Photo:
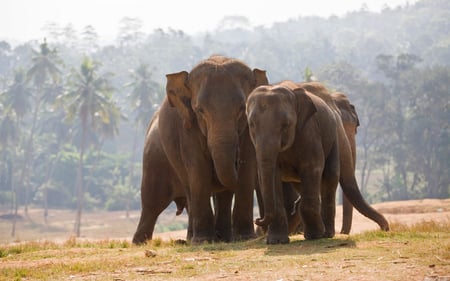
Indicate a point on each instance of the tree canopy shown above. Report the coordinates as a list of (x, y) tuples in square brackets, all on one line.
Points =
[(72, 107)]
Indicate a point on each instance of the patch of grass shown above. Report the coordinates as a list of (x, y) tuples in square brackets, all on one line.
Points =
[(422, 226), (416, 250), (19, 248), (419, 230)]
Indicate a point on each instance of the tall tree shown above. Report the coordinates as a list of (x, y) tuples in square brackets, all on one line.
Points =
[(428, 131), (16, 103), (90, 101), (397, 70), (144, 97), (44, 74), (130, 31)]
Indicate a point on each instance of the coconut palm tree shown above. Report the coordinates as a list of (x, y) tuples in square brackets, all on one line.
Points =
[(16, 102), (90, 103), (44, 75), (144, 97)]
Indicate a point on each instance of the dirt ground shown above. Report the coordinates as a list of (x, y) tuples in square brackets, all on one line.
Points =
[(408, 212), (115, 225)]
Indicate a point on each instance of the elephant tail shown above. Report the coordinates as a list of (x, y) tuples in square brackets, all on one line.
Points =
[(351, 190)]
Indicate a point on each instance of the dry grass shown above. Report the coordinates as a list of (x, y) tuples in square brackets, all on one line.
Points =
[(417, 247), (410, 252)]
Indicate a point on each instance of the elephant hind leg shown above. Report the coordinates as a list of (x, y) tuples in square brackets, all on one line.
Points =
[(347, 216), (330, 181), (328, 205), (146, 226)]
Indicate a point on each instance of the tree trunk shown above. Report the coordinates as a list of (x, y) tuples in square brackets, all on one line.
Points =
[(80, 184), (28, 156)]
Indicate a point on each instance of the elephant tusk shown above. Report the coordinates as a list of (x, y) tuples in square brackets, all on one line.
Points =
[(296, 202)]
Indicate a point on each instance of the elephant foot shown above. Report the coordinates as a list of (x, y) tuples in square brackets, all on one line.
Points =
[(345, 231), (277, 239), (244, 236), (329, 234), (141, 239), (223, 236), (312, 235), (197, 239)]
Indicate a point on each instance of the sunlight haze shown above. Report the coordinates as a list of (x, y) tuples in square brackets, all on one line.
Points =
[(23, 20)]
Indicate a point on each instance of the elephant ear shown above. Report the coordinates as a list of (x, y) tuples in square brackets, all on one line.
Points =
[(179, 96), (305, 106), (260, 77)]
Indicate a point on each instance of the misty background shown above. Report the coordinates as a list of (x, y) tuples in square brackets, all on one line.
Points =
[(60, 148)]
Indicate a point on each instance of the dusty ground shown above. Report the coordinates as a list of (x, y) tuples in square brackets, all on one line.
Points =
[(115, 225), (409, 212)]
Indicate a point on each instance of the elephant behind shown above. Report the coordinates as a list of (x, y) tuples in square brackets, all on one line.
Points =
[(198, 145), (346, 115)]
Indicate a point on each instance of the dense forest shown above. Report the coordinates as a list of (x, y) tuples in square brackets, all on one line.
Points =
[(74, 111)]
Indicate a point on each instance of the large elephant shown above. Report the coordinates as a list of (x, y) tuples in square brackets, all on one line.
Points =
[(296, 136), (198, 145)]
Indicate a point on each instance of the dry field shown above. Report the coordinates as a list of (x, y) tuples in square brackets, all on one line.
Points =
[(417, 248)]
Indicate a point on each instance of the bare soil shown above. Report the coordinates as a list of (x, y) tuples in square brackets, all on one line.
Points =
[(116, 225)]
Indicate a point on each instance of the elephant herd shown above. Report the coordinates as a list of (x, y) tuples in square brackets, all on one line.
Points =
[(223, 132)]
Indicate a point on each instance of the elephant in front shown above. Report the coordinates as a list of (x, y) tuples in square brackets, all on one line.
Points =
[(350, 121), (297, 136), (197, 145)]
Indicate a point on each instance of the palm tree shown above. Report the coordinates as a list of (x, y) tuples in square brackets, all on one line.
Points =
[(44, 74), (16, 103), (56, 133), (144, 97), (89, 100)]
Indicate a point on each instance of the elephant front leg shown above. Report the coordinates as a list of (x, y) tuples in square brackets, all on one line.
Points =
[(310, 207), (277, 232), (243, 227), (222, 212), (201, 216)]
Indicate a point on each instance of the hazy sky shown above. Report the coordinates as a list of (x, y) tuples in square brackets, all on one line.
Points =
[(24, 19)]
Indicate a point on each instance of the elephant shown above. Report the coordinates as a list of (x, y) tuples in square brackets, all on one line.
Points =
[(346, 112), (198, 145), (350, 121), (297, 136)]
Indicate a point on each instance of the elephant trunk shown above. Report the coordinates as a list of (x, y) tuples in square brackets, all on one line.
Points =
[(267, 176), (226, 158)]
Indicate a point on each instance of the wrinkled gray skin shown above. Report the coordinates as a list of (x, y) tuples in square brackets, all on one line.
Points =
[(197, 146), (296, 137)]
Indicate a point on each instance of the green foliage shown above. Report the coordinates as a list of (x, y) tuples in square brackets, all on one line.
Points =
[(393, 65)]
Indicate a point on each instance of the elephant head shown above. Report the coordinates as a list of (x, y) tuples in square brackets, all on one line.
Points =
[(275, 114), (212, 97)]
